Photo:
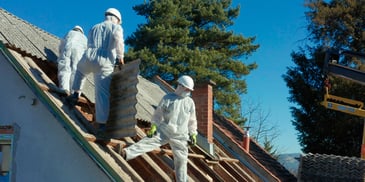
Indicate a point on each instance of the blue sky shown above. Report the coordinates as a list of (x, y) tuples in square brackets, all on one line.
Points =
[(279, 27)]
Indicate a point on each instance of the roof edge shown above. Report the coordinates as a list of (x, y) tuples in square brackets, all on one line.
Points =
[(258, 164), (83, 143)]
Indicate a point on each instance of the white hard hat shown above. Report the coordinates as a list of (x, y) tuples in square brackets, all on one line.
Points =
[(78, 28), (187, 82), (114, 12)]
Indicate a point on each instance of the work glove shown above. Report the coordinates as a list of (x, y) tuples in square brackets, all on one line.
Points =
[(192, 140), (152, 131)]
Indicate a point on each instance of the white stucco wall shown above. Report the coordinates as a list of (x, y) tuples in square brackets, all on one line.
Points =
[(43, 149)]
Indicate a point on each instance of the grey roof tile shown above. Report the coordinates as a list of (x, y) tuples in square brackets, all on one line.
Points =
[(324, 167), (19, 34)]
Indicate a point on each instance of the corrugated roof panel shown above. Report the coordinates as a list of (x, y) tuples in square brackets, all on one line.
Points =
[(149, 96), (28, 38), (123, 92)]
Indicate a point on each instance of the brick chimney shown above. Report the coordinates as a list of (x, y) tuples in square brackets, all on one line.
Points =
[(203, 98)]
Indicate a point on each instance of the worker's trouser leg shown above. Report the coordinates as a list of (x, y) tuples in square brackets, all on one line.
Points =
[(143, 146), (64, 72), (179, 149), (102, 70), (76, 56), (180, 152), (102, 93), (84, 67)]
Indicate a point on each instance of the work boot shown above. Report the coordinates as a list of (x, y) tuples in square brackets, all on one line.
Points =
[(72, 99), (100, 132)]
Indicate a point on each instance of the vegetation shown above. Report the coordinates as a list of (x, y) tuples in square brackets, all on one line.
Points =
[(260, 127), (193, 37), (336, 24)]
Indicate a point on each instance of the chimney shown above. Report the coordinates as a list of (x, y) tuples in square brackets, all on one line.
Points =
[(203, 98), (246, 139)]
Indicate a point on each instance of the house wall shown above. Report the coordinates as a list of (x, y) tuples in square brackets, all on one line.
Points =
[(43, 149)]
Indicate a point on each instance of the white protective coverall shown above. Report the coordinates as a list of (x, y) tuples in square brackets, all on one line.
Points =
[(175, 118), (72, 48), (105, 44)]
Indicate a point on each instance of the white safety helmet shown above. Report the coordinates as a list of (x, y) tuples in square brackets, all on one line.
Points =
[(78, 28), (114, 12), (187, 82)]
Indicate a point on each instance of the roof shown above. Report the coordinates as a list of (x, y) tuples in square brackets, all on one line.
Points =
[(33, 53), (260, 158), (33, 41), (323, 167)]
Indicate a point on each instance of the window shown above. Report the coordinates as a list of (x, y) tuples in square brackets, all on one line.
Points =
[(6, 143)]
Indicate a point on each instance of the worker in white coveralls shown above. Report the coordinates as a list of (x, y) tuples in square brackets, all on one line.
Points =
[(105, 49), (174, 122), (72, 48)]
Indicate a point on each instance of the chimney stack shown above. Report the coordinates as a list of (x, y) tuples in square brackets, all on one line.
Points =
[(246, 139), (203, 98)]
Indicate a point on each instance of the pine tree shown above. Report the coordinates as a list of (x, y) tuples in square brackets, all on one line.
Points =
[(337, 24), (193, 37)]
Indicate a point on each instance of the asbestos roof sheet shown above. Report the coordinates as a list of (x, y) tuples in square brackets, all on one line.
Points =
[(149, 96), (17, 33)]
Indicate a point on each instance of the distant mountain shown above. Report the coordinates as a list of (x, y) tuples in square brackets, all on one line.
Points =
[(290, 162)]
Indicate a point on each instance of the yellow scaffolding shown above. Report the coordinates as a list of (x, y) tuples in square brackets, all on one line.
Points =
[(345, 105), (348, 106)]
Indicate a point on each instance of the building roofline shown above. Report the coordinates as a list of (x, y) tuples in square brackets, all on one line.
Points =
[(60, 116)]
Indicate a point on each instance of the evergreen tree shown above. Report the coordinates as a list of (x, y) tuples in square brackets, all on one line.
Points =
[(337, 24), (192, 37), (267, 145)]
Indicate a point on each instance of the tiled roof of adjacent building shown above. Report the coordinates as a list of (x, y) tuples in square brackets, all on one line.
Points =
[(323, 167)]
